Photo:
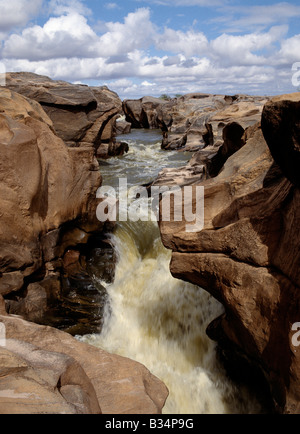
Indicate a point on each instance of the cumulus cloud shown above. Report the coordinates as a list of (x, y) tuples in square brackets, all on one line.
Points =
[(70, 35), (241, 49), (290, 50), (137, 32), (189, 43), (17, 13), (67, 35)]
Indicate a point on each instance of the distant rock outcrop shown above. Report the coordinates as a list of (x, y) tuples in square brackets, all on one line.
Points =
[(143, 113), (194, 121), (247, 255)]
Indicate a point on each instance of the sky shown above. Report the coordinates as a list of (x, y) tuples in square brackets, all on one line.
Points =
[(155, 47)]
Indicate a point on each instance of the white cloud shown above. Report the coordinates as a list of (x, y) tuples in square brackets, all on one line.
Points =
[(70, 35), (240, 50), (189, 43), (17, 12), (147, 84), (67, 35), (137, 32), (290, 50)]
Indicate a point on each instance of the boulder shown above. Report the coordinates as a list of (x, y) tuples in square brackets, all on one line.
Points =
[(44, 370), (35, 381)]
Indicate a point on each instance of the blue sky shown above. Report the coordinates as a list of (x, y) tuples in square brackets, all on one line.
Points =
[(151, 47)]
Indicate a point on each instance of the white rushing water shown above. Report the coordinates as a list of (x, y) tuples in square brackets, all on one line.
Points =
[(160, 321)]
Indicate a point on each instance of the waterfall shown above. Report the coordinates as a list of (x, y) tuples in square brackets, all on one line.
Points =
[(160, 321)]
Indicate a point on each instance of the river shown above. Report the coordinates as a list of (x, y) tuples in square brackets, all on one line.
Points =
[(153, 318)]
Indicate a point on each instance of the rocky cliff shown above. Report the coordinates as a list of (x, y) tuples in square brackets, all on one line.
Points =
[(247, 255), (48, 229)]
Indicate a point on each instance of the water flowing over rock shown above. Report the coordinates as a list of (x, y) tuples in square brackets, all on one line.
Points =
[(247, 255), (82, 116)]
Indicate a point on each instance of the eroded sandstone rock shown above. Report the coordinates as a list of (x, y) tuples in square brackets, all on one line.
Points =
[(44, 370), (194, 121), (247, 255), (82, 116), (48, 197)]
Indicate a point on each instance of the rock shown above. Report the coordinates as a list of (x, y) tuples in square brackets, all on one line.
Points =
[(48, 188), (34, 381), (143, 113), (281, 127), (33, 306), (108, 150), (194, 121), (82, 116), (122, 386), (122, 126), (247, 256)]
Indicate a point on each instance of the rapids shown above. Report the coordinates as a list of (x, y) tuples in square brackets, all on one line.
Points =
[(153, 318)]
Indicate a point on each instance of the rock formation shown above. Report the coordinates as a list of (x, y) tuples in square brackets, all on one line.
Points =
[(247, 255), (46, 371), (48, 199), (194, 121), (48, 231), (143, 113), (82, 116)]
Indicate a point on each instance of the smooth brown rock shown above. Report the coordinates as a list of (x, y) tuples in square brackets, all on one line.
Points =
[(43, 186), (34, 381), (122, 386)]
